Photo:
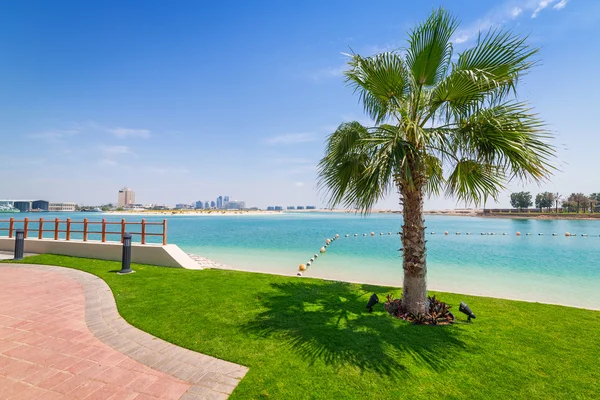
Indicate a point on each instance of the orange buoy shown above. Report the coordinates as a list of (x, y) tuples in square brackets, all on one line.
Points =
[(322, 250), (567, 234), (518, 233), (302, 267), (446, 233), (372, 233), (327, 241)]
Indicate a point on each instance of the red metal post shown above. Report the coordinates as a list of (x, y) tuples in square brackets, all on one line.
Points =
[(56, 225), (11, 227), (103, 230), (122, 229), (41, 229), (164, 232), (68, 229), (143, 231), (25, 226), (85, 229)]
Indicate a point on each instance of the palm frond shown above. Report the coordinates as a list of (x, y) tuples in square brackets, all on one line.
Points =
[(344, 161), (487, 72), (429, 51), (360, 164), (435, 175), (499, 53), (509, 135), (381, 82), (472, 181)]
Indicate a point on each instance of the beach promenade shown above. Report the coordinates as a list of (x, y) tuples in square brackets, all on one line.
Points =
[(61, 337)]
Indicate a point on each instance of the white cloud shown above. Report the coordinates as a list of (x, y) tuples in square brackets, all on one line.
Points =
[(560, 5), (541, 5), (298, 184), (291, 138), (126, 132), (506, 12), (516, 12), (462, 38)]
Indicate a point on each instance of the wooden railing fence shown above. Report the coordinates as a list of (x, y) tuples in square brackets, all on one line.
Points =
[(68, 229)]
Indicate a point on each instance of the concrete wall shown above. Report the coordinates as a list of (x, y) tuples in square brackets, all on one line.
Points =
[(168, 256)]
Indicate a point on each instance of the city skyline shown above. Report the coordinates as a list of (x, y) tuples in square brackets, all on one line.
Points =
[(94, 115)]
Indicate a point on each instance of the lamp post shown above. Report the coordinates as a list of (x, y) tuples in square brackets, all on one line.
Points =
[(126, 258), (19, 244)]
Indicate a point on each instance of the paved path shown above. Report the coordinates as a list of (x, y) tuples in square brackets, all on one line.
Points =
[(61, 337)]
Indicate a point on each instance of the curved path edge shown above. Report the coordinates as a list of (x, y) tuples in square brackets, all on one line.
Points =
[(211, 378)]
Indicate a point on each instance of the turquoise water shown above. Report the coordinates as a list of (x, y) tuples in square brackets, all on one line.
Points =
[(559, 269)]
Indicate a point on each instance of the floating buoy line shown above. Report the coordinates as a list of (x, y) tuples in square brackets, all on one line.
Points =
[(329, 241)]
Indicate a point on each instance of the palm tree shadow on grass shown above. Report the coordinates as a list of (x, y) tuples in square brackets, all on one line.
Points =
[(329, 323)]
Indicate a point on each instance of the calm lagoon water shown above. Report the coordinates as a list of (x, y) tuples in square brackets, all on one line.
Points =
[(563, 270)]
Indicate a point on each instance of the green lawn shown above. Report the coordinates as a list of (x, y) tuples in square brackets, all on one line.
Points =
[(310, 338)]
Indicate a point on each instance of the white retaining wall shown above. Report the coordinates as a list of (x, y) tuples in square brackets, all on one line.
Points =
[(169, 255)]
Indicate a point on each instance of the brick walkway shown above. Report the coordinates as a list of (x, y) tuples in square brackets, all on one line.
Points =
[(61, 337)]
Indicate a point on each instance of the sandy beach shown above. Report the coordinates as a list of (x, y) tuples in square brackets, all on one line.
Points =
[(194, 213)]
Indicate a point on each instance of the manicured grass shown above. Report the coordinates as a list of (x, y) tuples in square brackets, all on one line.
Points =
[(310, 338)]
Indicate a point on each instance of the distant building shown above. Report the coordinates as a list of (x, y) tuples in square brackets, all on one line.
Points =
[(22, 205), (135, 206), (311, 207), (225, 199), (220, 202), (206, 205), (182, 206), (40, 205), (236, 205), (212, 204), (126, 197), (199, 205), (271, 208), (62, 207), (300, 208), (291, 207), (278, 208)]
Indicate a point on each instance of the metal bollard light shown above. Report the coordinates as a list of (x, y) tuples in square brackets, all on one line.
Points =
[(126, 258), (19, 244)]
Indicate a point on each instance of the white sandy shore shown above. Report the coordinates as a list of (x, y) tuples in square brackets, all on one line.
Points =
[(453, 287), (467, 212), (192, 213)]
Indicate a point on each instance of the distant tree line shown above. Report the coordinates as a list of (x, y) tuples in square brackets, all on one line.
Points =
[(575, 202)]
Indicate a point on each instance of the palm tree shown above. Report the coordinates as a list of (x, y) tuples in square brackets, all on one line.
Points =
[(580, 199), (440, 126), (557, 197)]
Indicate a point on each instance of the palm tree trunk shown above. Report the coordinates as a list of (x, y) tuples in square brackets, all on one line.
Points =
[(414, 296)]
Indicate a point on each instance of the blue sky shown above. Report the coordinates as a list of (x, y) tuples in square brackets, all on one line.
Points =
[(185, 101)]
